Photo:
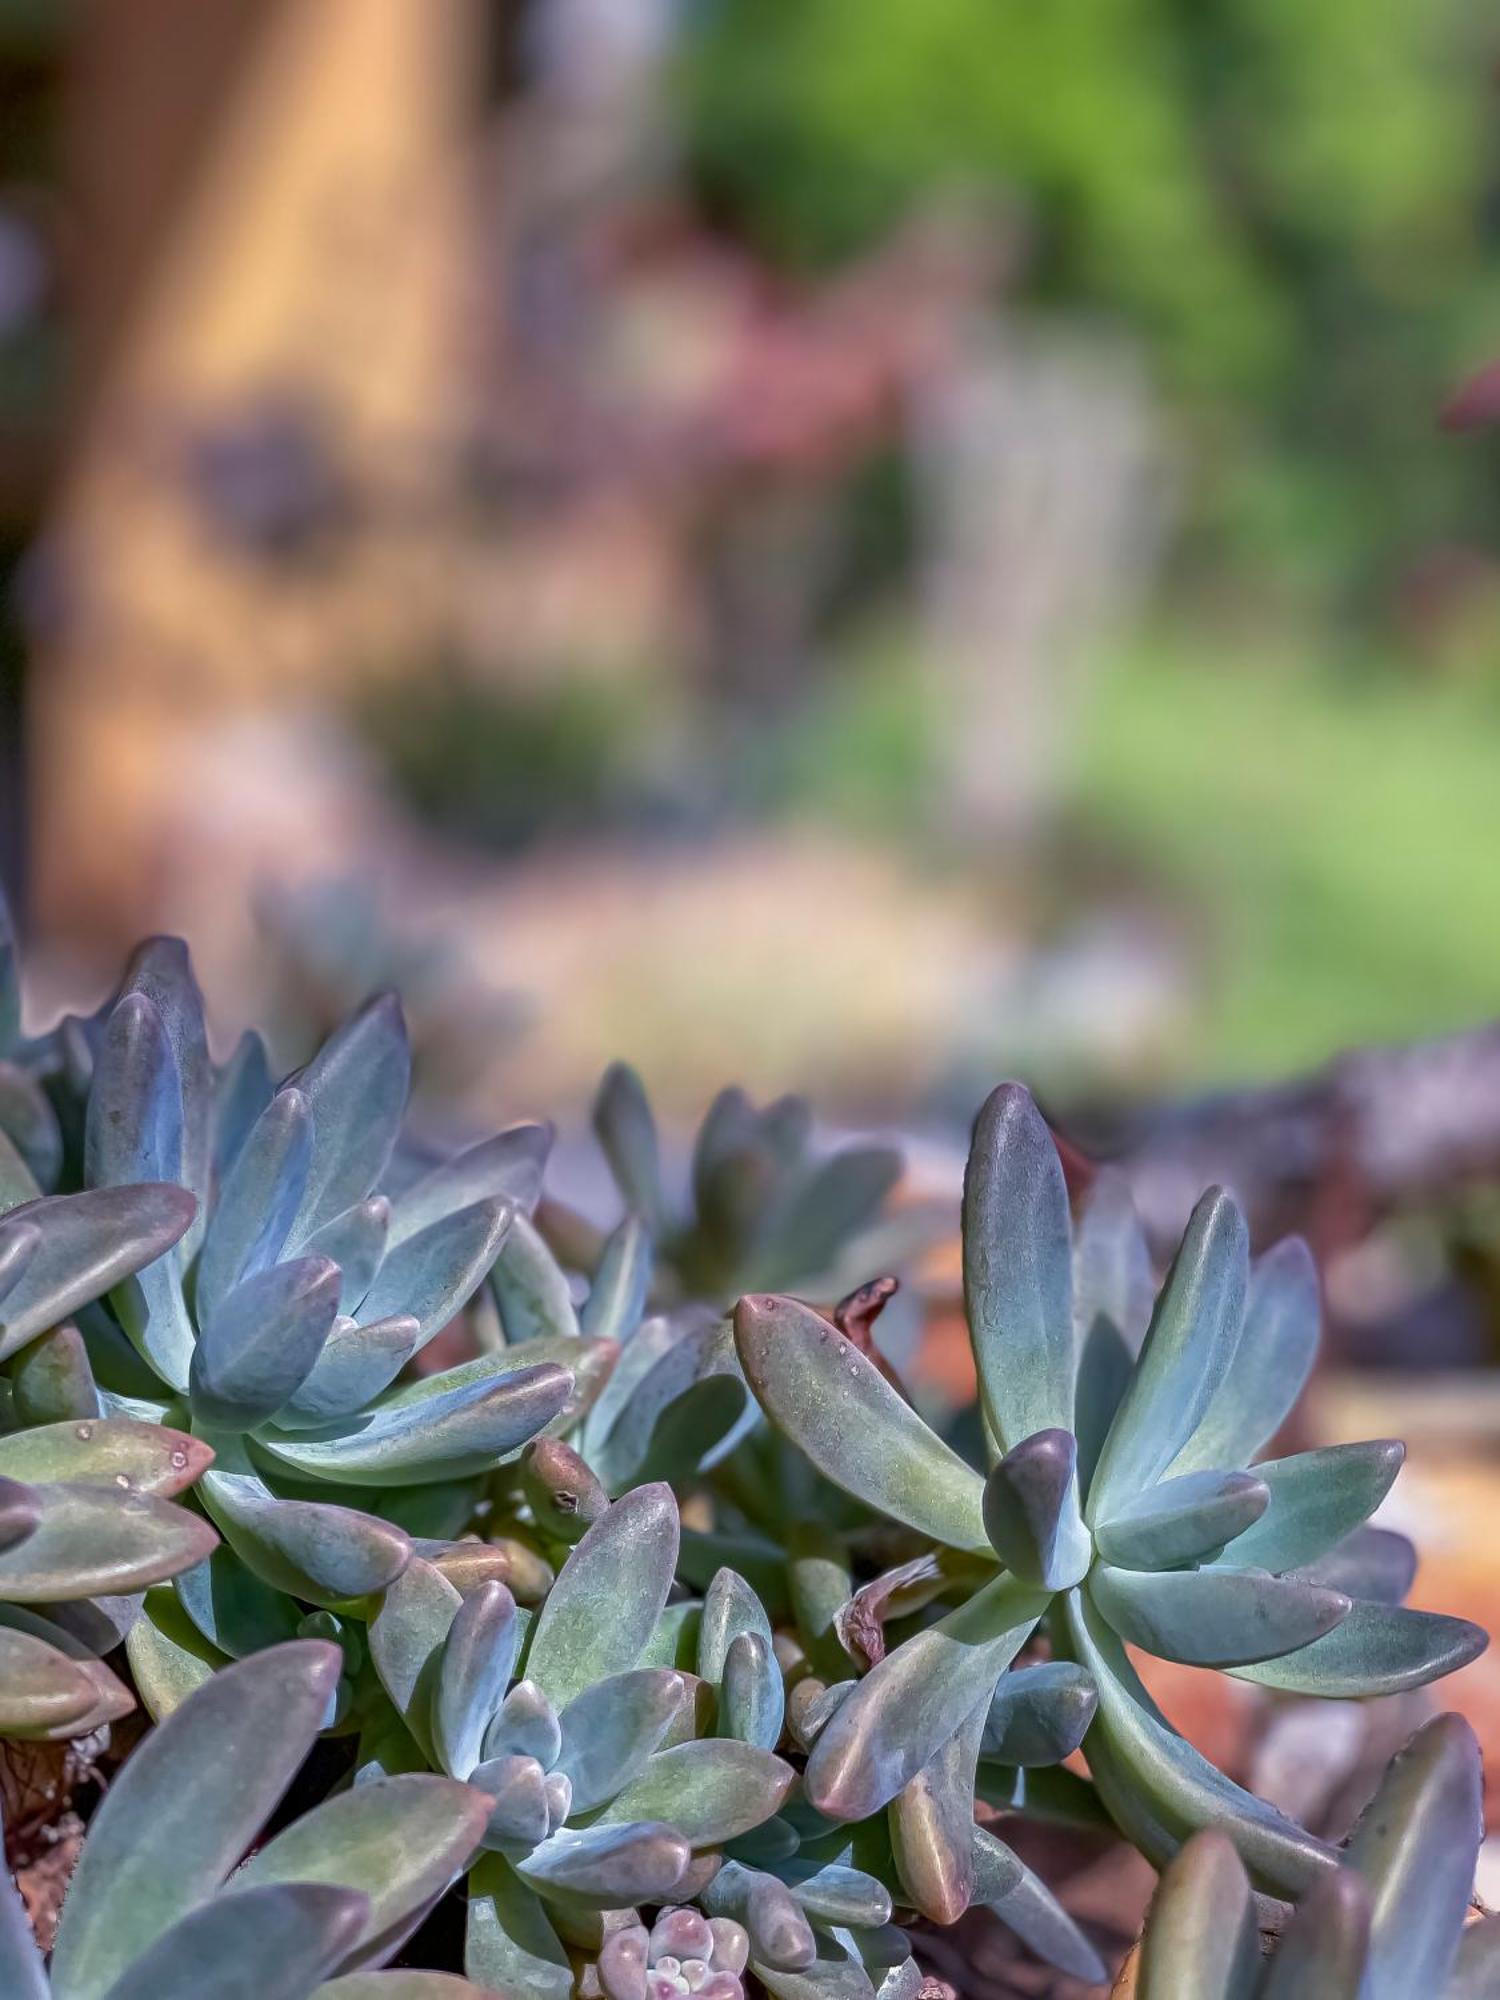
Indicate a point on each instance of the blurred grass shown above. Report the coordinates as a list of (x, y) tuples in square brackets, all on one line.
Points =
[(1333, 838)]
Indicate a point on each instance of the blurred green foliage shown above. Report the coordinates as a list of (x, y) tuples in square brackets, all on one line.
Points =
[(1293, 201)]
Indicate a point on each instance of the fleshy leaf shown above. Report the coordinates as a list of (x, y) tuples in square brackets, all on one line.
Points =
[(355, 1364), (617, 1297), (1188, 1348), (100, 1541), (306, 1547), (406, 1642), (1372, 1562), (89, 1243), (1018, 1285), (611, 1728), (1215, 1617), (1317, 1499), (932, 1826), (508, 1166), (356, 1242), (752, 1695), (532, 1288), (509, 1945), (1377, 1649), (261, 1343), (611, 1866), (106, 1451), (1039, 1714), (30, 1123), (710, 1791), (432, 1275), (1024, 1903), (263, 1944), (135, 1111), (820, 1211), (1182, 1520), (259, 1200), (441, 1427), (906, 1708), (478, 1657), (233, 1609), (184, 1808), (401, 1840), (626, 1131), (1201, 1937), (837, 1407), (779, 1932), (1271, 1362), (1325, 1946), (356, 1088), (45, 1693), (1031, 1511), (608, 1596)]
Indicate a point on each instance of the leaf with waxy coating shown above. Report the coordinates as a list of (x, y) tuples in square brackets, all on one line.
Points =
[(1271, 1362), (1202, 1936), (169, 1657), (406, 1641), (906, 1708), (1325, 1945), (1415, 1845), (836, 1406), (403, 1985), (1024, 1904), (752, 1695), (1377, 1649), (1018, 1286), (52, 1382), (100, 1541), (30, 1123), (608, 1596), (684, 1411), (932, 1826), (508, 1166), (1317, 1498), (356, 1242), (626, 1131), (134, 1129), (1159, 1790), (611, 1728), (161, 970), (1031, 1511), (1371, 1563), (242, 1090), (617, 1297), (532, 1288), (184, 1808), (233, 1608), (834, 1893), (1183, 1519), (263, 1944), (355, 1365), (400, 1839), (356, 1088), (258, 1201), (819, 1211), (431, 1276), (525, 1725), (1215, 1617), (89, 1243), (441, 1427), (307, 1547), (478, 1656), (730, 1607), (1188, 1349), (710, 1791), (1038, 1715), (20, 1512), (46, 1694), (516, 1787), (565, 1496), (509, 1944), (775, 1921), (610, 1866), (260, 1344)]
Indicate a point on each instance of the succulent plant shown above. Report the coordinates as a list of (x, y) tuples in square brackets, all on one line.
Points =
[(1122, 1507), (1391, 1922), (162, 1904), (295, 1293), (684, 1952), (765, 1207)]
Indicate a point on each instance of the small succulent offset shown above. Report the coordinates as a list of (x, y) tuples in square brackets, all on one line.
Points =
[(766, 1209), (277, 1324), (1394, 1920), (162, 1904), (1122, 1507)]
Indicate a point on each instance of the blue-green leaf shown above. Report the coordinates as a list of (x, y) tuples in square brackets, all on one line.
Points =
[(161, 970), (836, 1406), (406, 1641), (356, 1242), (1188, 1347), (233, 1608), (432, 1275), (1377, 1649), (309, 1548), (242, 1090), (30, 1123), (89, 1242), (532, 1288), (1201, 1937), (508, 1166), (627, 1135), (1215, 1617), (1372, 1562), (608, 1596), (261, 1342), (908, 1706), (1416, 1845), (134, 1128), (609, 1730), (752, 1697), (1271, 1362), (263, 1944), (93, 1541), (1018, 1285), (355, 1365), (710, 1790), (1183, 1519), (1031, 1511), (617, 1297), (1317, 1499), (258, 1201), (1038, 1715), (932, 1826), (1325, 1946), (479, 1654), (22, 1974), (184, 1808), (356, 1088), (609, 1866), (1028, 1907), (105, 1451), (820, 1210), (510, 1946)]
